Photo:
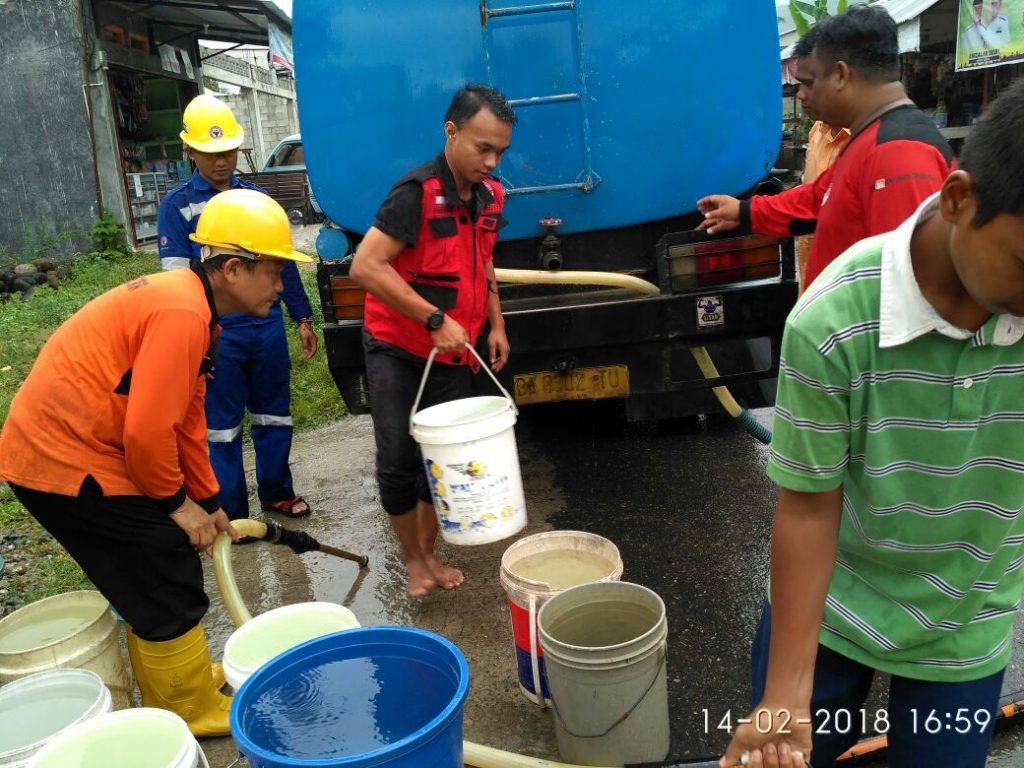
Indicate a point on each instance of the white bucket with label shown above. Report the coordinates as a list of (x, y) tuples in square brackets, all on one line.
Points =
[(604, 647), (73, 630), (272, 633), (472, 464), (36, 708), (130, 738)]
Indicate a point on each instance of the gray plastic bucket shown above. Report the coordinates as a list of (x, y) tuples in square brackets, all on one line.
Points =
[(604, 645)]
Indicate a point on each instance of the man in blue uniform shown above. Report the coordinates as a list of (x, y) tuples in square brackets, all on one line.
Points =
[(252, 368)]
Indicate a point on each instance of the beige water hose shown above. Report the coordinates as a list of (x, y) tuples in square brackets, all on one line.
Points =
[(224, 573), (487, 757), (616, 280), (544, 277)]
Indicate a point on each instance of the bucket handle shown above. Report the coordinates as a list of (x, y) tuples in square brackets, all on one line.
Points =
[(538, 686), (426, 372), (662, 653)]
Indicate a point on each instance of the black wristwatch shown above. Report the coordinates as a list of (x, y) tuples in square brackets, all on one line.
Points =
[(435, 321)]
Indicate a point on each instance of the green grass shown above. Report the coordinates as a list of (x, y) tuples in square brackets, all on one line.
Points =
[(25, 326)]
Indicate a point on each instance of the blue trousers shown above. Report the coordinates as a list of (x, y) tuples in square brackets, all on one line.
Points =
[(251, 372), (929, 724)]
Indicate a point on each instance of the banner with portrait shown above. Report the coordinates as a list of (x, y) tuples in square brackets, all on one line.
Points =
[(989, 33)]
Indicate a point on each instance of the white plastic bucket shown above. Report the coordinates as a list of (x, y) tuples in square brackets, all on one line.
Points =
[(535, 569), (72, 630), (261, 639), (131, 738), (36, 708), (472, 464), (605, 644)]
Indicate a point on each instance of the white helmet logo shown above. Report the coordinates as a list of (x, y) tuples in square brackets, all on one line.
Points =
[(216, 132)]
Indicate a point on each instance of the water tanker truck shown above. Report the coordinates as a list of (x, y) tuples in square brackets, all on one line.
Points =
[(628, 113)]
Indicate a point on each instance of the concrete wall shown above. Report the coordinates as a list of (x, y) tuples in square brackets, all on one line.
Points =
[(267, 119), (47, 180)]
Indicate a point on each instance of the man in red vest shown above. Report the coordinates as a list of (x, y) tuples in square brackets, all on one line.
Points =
[(426, 265)]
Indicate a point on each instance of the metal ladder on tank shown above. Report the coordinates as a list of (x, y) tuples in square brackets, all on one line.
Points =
[(587, 179)]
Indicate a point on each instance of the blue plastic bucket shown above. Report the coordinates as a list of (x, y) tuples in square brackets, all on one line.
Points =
[(374, 696)]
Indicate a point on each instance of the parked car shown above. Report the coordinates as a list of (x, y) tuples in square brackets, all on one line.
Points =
[(288, 157)]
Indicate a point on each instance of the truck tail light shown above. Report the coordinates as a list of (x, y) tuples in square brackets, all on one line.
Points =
[(347, 298), (716, 262)]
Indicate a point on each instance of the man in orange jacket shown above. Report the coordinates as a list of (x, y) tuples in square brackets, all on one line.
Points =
[(105, 444)]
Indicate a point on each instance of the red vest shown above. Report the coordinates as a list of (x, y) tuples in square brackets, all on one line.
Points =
[(446, 267)]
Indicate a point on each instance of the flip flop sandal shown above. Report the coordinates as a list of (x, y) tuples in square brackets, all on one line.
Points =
[(287, 507)]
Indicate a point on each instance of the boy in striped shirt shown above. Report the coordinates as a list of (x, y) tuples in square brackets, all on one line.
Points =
[(899, 452)]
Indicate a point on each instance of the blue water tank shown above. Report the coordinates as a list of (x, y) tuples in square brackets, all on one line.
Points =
[(628, 111)]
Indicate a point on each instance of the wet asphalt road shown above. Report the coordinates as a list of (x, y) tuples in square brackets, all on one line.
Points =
[(689, 507)]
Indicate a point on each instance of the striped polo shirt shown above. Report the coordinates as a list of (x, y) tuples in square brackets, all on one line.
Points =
[(922, 423)]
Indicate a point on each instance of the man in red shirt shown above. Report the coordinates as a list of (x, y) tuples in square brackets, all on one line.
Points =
[(848, 68)]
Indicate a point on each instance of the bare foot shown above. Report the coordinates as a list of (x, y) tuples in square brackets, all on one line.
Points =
[(421, 578), (444, 576)]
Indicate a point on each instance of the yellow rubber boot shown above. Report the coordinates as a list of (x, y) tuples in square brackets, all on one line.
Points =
[(217, 671), (177, 675)]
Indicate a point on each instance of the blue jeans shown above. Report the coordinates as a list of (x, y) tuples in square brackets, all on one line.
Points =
[(251, 373), (924, 718)]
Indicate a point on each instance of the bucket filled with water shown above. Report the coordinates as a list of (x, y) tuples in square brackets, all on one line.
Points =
[(605, 647), (373, 696), (36, 708), (76, 629), (472, 464), (130, 738), (535, 569), (260, 639)]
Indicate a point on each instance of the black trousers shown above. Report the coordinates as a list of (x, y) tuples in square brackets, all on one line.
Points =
[(392, 378), (132, 551)]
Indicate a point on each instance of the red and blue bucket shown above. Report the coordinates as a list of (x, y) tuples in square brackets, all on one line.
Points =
[(535, 569)]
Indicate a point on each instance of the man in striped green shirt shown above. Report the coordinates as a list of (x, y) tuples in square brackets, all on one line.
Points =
[(899, 452)]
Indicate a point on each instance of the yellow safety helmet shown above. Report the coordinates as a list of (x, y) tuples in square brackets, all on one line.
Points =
[(209, 125), (248, 221)]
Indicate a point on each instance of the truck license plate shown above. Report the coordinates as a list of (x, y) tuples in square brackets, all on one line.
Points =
[(580, 384)]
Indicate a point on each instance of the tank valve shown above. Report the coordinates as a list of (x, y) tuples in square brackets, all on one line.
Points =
[(551, 245)]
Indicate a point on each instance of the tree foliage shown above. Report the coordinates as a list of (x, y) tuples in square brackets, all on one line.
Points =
[(806, 13)]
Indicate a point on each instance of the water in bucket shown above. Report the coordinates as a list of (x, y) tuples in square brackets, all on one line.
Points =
[(533, 570), (332, 710), (561, 569), (47, 630), (472, 464), (34, 709), (259, 640), (72, 630), (130, 738), (373, 696)]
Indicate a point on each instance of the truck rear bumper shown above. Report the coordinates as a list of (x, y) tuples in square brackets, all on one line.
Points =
[(598, 332)]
